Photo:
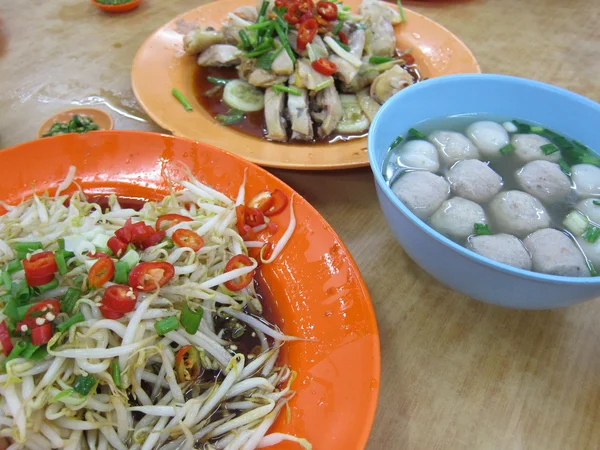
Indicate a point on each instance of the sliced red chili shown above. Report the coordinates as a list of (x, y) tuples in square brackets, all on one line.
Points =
[(140, 232), (147, 276), (324, 66), (110, 313), (40, 311), (272, 227), (408, 59), (117, 246), (187, 364), (240, 212), (281, 3), (119, 298), (239, 283), (248, 233), (327, 10), (280, 201), (254, 217), (166, 221), (5, 339), (263, 201), (306, 33), (40, 268), (41, 335), (293, 14), (307, 15), (266, 251), (98, 255), (152, 239), (343, 37), (188, 238), (101, 272), (124, 233)]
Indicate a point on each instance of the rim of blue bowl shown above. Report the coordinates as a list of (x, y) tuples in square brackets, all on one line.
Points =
[(377, 172)]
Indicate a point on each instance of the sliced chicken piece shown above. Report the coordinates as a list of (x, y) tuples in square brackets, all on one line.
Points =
[(282, 64), (380, 38), (390, 82), (265, 78), (249, 13), (345, 71), (220, 55), (307, 77), (274, 115), (327, 110), (231, 28), (363, 78), (302, 127), (356, 42), (200, 39), (318, 43), (371, 10)]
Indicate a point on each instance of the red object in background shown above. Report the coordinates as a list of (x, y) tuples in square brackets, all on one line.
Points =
[(123, 8)]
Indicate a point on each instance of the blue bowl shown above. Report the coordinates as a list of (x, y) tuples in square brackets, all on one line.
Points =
[(451, 264)]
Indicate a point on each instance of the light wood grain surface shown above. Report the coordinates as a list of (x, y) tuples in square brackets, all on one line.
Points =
[(456, 374)]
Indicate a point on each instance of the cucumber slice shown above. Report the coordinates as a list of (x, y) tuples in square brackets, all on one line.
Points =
[(243, 96)]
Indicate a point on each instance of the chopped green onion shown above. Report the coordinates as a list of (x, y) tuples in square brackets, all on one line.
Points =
[(338, 27), (48, 286), (596, 202), (507, 149), (11, 308), (84, 384), (6, 280), (537, 130), (67, 303), (245, 40), (341, 44), (166, 325), (216, 80), (116, 373), (482, 229), (415, 134), (21, 291), (521, 127), (62, 394), (259, 26), (564, 167), (266, 46), (287, 89), (121, 272), (39, 354), (576, 223), (170, 243), (179, 96), (14, 266), (380, 60), (77, 318), (24, 248), (61, 263), (591, 234), (263, 10), (232, 118), (396, 142), (190, 320), (279, 12), (61, 243), (30, 350), (591, 268), (401, 9), (15, 353), (22, 312), (284, 39), (266, 61), (548, 149)]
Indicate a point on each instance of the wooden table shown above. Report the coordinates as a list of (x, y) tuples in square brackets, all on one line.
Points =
[(457, 374)]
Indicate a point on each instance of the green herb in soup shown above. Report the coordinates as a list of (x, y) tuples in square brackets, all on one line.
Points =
[(78, 124), (538, 190)]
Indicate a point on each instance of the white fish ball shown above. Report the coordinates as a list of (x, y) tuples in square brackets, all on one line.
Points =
[(503, 248), (488, 136), (518, 213), (554, 253), (527, 148), (545, 181), (453, 146), (422, 192), (586, 179), (474, 180), (419, 154), (456, 218)]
